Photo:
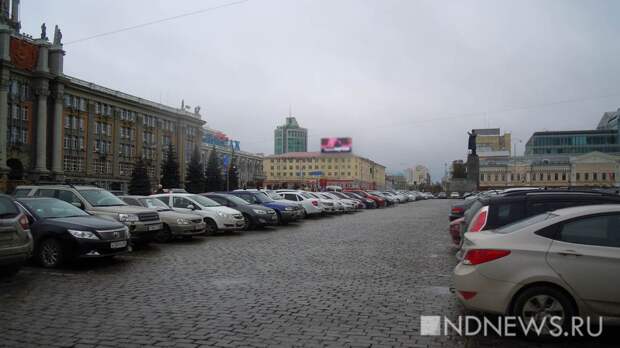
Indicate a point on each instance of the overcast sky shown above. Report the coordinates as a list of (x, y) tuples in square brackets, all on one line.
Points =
[(404, 79)]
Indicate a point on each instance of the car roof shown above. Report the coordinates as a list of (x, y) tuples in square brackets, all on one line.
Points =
[(59, 186), (588, 209), (133, 196)]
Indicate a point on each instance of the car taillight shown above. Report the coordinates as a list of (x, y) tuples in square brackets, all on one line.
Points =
[(23, 221), (478, 256), (315, 203), (467, 294), (480, 220), (457, 210)]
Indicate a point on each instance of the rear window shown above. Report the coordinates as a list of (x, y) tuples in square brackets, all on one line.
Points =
[(517, 225), (509, 212), (7, 208)]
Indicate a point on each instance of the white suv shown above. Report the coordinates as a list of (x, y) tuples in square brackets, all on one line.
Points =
[(217, 217)]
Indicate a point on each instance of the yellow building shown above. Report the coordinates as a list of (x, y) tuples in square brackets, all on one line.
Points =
[(316, 169), (593, 169), (491, 143)]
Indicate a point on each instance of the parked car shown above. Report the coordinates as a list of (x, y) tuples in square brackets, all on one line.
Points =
[(311, 205), (368, 203), (286, 211), (143, 223), (63, 232), (491, 211), (442, 195), (357, 202), (563, 263), (15, 237), (175, 224), (348, 204), (254, 215), (217, 218), (379, 200), (455, 195), (389, 201)]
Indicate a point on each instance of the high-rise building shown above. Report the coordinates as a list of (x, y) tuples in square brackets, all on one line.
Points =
[(290, 137), (491, 143)]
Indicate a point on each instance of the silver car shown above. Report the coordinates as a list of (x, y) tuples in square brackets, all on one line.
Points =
[(175, 224), (563, 264)]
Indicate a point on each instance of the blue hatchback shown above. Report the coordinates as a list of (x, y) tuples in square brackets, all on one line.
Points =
[(287, 211)]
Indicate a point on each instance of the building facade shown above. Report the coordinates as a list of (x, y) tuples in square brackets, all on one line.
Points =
[(490, 142), (249, 165), (290, 137), (57, 128), (318, 170), (595, 169)]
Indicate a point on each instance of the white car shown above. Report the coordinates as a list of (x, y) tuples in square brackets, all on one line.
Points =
[(217, 217), (328, 204), (348, 204), (562, 264), (311, 205), (455, 195), (339, 206)]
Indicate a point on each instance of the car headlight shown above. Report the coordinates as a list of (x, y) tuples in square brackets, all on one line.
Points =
[(182, 221), (222, 214), (289, 208), (128, 217), (83, 234), (258, 211)]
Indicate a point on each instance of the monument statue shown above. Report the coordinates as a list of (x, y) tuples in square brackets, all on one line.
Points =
[(472, 141), (57, 36), (197, 110), (43, 32)]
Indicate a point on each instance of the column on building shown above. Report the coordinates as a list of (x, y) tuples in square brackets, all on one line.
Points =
[(42, 92), (57, 138), (116, 142), (5, 40)]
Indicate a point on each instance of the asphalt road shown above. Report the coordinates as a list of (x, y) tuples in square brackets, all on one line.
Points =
[(356, 280)]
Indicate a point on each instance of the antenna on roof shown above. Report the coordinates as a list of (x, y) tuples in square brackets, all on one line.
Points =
[(290, 110)]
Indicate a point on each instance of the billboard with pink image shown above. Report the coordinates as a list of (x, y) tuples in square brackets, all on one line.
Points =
[(336, 145)]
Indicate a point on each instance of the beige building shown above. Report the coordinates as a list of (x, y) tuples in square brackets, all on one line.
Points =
[(316, 169), (491, 143), (593, 169)]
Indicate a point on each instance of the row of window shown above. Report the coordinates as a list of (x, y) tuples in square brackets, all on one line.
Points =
[(74, 122), (19, 90), (17, 135), (311, 160), (102, 128), (74, 142), (103, 147), (547, 177), (306, 174), (73, 163), (127, 133), (310, 167), (19, 112), (575, 140)]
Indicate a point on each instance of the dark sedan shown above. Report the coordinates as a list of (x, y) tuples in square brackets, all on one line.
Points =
[(62, 232), (254, 215)]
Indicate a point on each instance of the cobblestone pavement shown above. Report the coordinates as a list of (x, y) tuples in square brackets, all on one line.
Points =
[(354, 280)]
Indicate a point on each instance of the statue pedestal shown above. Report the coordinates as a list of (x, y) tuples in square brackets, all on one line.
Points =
[(473, 171)]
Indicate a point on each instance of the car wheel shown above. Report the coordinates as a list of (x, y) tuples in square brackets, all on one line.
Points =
[(211, 227), (247, 222), (164, 235), (10, 270), (51, 253), (541, 303)]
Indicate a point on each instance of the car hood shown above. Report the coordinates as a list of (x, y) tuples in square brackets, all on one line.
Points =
[(223, 209), (126, 209), (85, 222)]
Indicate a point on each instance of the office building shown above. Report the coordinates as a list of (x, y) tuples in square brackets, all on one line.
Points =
[(316, 170), (290, 137), (491, 143)]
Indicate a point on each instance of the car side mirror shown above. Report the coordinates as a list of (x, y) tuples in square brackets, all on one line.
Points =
[(78, 205)]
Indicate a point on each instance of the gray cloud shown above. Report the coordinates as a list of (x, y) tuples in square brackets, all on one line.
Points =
[(405, 79)]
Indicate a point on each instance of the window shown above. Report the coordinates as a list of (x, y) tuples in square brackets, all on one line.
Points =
[(578, 176), (596, 230), (594, 176), (45, 193), (69, 197), (180, 202)]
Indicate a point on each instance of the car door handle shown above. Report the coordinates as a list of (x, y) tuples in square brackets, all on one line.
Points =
[(569, 253)]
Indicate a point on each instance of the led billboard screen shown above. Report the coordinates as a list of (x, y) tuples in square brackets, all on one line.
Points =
[(336, 145)]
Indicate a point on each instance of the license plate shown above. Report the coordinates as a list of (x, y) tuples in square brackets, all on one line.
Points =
[(120, 244), (153, 227)]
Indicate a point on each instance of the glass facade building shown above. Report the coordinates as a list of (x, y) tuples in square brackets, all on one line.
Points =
[(290, 137), (573, 142)]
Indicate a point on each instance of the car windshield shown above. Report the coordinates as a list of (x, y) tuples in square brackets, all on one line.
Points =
[(154, 203), (204, 201), (517, 225), (262, 197), (237, 200), (273, 195), (101, 198), (51, 208), (305, 195)]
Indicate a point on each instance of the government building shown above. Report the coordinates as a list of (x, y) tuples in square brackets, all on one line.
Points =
[(316, 170), (59, 128)]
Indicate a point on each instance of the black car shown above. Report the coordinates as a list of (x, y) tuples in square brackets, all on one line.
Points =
[(254, 215), (62, 232), (491, 212)]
